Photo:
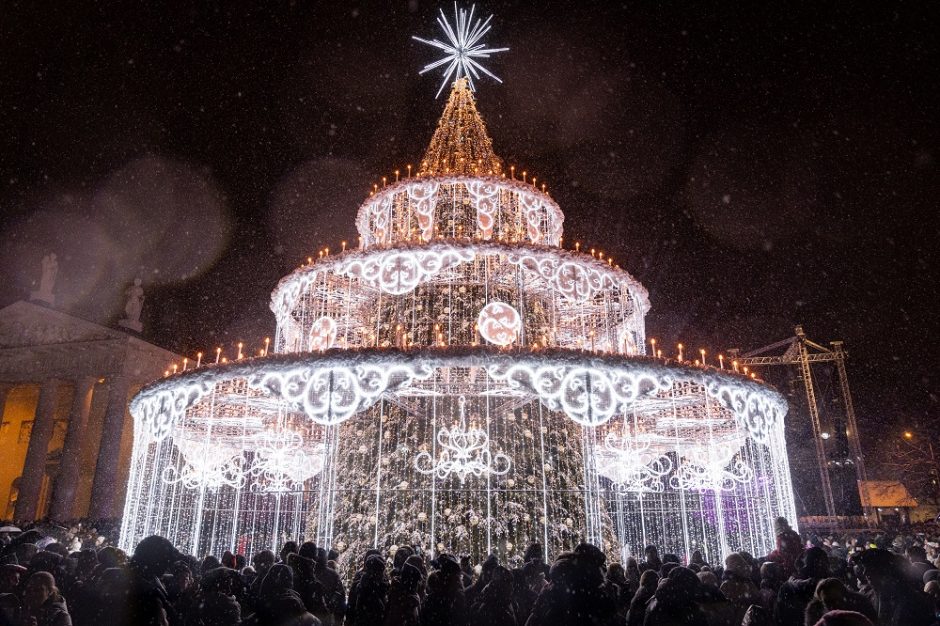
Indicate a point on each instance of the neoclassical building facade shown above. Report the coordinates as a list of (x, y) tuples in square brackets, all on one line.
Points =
[(65, 432)]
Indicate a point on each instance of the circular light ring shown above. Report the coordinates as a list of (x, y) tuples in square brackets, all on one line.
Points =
[(378, 214), (398, 270), (332, 386)]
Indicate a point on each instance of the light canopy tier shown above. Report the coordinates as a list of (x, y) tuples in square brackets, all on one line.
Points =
[(459, 207), (458, 293), (472, 449)]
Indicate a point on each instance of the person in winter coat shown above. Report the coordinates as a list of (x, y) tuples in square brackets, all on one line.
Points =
[(486, 574), (674, 602), (354, 586), (262, 563), (218, 607), (577, 593), (278, 603), (372, 593), (633, 573), (796, 593), (445, 604), (789, 547), (42, 603), (832, 595), (716, 607), (529, 584), (404, 604), (649, 581), (617, 579), (771, 577), (494, 605), (738, 587), (653, 561), (147, 601), (896, 601)]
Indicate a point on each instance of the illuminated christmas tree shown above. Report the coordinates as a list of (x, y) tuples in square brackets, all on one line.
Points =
[(460, 382)]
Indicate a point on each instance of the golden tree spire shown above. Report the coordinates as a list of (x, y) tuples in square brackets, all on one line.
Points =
[(460, 144)]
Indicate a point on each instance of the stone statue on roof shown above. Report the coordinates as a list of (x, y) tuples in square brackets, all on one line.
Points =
[(50, 269)]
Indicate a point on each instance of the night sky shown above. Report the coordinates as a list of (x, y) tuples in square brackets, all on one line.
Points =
[(755, 167)]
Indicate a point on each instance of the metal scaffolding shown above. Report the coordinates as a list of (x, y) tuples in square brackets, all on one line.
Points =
[(801, 352)]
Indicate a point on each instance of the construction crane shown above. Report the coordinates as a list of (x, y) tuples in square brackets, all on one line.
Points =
[(801, 352)]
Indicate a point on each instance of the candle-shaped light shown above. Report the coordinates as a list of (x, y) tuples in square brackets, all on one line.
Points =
[(198, 359), (734, 365), (721, 361), (396, 176), (185, 363), (702, 352), (218, 353), (267, 344), (343, 243), (409, 170), (680, 353), (240, 355), (653, 345), (175, 367)]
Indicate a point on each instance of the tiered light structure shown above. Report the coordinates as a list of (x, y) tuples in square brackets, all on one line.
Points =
[(459, 382)]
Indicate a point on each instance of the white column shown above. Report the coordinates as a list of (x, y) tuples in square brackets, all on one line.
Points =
[(34, 468)]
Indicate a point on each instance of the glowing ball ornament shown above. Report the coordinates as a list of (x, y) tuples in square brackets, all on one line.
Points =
[(322, 334), (499, 323)]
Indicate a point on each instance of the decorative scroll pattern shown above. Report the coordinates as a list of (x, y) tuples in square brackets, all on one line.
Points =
[(207, 465), (464, 452), (379, 214), (588, 395), (400, 272), (589, 392), (499, 323), (530, 206), (631, 466), (322, 334), (711, 468), (423, 197), (282, 462), (756, 410), (485, 197), (577, 281), (331, 395), (160, 411)]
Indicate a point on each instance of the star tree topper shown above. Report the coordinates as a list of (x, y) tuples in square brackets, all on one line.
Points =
[(463, 49)]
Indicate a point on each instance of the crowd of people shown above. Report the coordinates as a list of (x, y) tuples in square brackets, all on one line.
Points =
[(874, 579)]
